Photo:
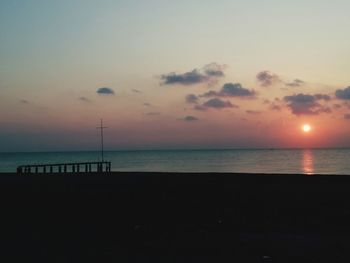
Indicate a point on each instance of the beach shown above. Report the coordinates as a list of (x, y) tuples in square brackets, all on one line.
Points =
[(175, 217)]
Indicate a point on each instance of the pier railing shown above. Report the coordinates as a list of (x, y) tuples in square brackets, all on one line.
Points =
[(89, 167)]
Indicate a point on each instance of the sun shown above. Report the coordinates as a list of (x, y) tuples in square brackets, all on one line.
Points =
[(306, 128)]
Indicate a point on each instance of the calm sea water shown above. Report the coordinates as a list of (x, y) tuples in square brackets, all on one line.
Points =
[(319, 161)]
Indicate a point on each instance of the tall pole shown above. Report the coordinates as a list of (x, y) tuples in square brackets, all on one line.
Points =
[(102, 139), (101, 128)]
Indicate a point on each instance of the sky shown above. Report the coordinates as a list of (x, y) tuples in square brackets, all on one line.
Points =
[(174, 74)]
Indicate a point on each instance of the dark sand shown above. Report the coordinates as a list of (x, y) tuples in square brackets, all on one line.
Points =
[(157, 217)]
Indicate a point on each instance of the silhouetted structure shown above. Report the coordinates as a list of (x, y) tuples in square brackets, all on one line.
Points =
[(89, 167), (101, 128), (63, 168)]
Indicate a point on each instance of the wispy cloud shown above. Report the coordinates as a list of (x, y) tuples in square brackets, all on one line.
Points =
[(190, 118), (295, 83), (267, 78), (24, 101), (230, 90), (152, 113), (84, 99), (275, 107), (253, 112), (337, 106), (192, 99), (216, 104), (206, 74)]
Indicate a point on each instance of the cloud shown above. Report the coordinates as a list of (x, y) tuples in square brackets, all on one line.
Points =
[(192, 99), (214, 70), (230, 90), (206, 74), (305, 104), (84, 99), (187, 78), (325, 110), (343, 94), (267, 78), (322, 97), (275, 107), (216, 104), (295, 83), (190, 118), (152, 113), (200, 107), (253, 112), (105, 91), (337, 106)]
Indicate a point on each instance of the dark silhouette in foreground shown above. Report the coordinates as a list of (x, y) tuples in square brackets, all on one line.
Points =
[(158, 217), (66, 168)]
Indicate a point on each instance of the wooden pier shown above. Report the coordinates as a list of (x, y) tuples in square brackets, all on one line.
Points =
[(88, 167)]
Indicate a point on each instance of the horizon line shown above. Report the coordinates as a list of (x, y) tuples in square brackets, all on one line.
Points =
[(184, 149)]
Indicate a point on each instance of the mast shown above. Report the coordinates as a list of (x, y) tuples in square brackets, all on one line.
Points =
[(101, 128)]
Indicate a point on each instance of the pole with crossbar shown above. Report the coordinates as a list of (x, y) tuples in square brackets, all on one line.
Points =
[(101, 128)]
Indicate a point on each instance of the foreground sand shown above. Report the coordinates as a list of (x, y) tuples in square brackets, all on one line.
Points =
[(168, 217)]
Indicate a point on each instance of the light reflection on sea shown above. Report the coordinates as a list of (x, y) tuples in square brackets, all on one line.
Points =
[(308, 162)]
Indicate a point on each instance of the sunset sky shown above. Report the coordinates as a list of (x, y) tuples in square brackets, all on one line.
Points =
[(174, 74)]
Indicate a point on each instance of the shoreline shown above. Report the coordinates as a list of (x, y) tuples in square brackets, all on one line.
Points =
[(175, 176), (173, 173)]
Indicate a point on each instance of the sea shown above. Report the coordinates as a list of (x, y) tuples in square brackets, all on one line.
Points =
[(288, 161)]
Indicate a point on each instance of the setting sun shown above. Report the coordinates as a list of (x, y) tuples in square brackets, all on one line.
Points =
[(306, 128)]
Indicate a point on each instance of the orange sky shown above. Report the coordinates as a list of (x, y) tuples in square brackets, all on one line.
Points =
[(174, 74), (270, 115)]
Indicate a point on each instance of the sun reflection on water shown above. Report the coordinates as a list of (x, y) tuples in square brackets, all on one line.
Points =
[(308, 162)]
